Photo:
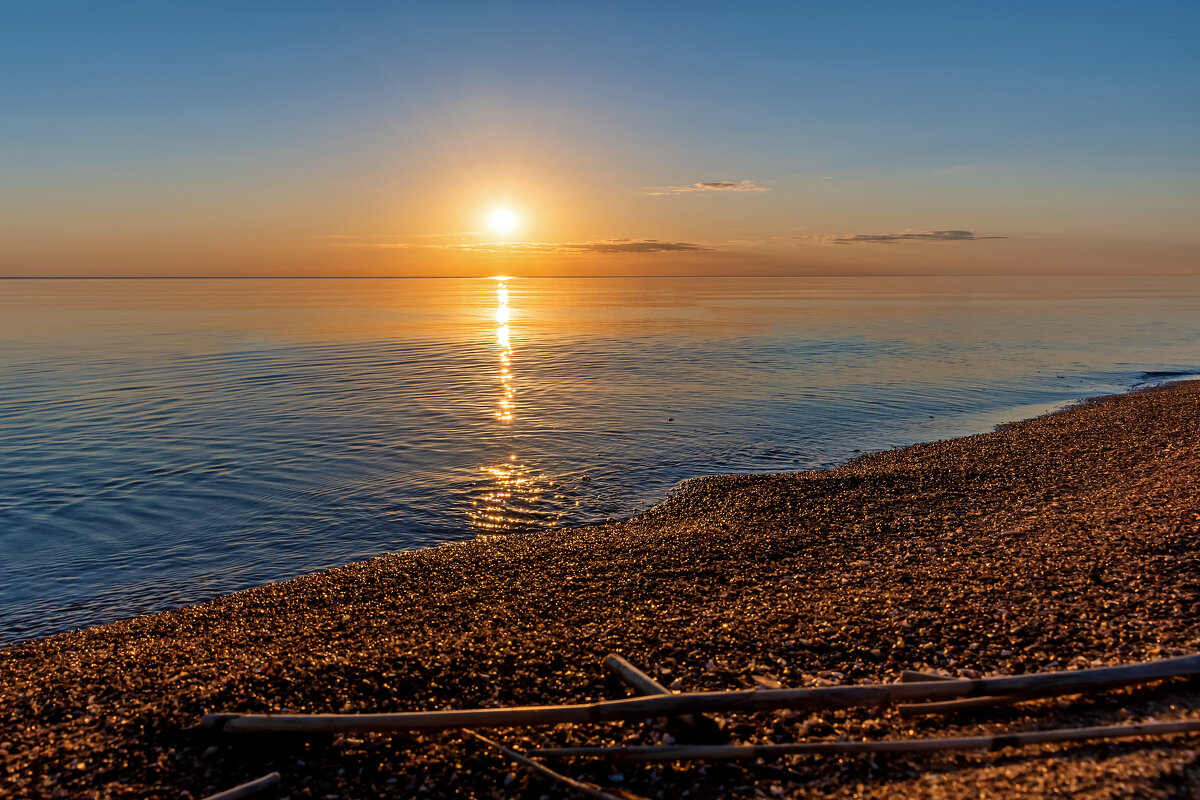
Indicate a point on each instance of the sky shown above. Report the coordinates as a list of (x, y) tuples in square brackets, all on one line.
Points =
[(621, 138)]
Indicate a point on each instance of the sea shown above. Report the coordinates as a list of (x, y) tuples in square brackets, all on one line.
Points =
[(164, 442)]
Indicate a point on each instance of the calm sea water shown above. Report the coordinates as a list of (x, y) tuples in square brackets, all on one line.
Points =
[(163, 442)]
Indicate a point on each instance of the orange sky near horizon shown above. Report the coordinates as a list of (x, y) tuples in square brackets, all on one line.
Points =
[(427, 213), (611, 227)]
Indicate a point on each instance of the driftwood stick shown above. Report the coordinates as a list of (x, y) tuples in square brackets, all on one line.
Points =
[(912, 676), (715, 752), (825, 697), (964, 704), (640, 682), (948, 706), (586, 789), (632, 676), (968, 703), (247, 789)]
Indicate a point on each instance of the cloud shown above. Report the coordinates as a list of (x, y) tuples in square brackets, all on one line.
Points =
[(601, 247), (604, 247), (890, 238), (708, 186)]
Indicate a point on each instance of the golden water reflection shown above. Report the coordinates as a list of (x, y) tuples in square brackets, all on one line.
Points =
[(512, 501), (513, 493), (508, 398)]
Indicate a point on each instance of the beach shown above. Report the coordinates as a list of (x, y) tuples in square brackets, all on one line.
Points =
[(1065, 541)]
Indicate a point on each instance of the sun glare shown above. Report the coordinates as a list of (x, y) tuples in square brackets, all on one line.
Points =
[(503, 221)]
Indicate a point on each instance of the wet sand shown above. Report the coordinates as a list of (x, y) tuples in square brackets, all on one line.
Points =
[(1063, 541)]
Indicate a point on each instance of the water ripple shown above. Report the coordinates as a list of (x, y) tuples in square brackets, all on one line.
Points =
[(187, 446)]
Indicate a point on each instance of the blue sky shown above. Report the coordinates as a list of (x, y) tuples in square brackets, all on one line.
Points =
[(246, 132)]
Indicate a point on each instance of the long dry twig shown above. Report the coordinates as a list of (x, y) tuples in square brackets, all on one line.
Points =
[(716, 752), (247, 789), (912, 676), (827, 697), (584, 788), (965, 704), (968, 703), (703, 727)]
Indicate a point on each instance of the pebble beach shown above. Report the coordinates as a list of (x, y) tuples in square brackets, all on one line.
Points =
[(1064, 541)]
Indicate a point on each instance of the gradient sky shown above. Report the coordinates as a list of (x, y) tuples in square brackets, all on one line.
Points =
[(375, 138)]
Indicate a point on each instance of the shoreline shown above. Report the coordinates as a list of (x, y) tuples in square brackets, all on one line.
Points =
[(951, 426), (1063, 540)]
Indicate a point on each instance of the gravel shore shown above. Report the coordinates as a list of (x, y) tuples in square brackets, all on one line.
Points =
[(1063, 541)]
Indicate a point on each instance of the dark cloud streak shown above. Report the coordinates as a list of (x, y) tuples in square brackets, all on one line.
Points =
[(602, 247), (890, 238), (606, 247), (708, 186)]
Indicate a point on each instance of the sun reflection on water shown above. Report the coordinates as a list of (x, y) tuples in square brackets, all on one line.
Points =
[(513, 500), (512, 496), (507, 404)]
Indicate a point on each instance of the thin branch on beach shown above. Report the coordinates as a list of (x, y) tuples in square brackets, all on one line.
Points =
[(912, 676), (826, 697), (966, 704), (969, 703), (719, 752), (587, 789), (704, 727), (248, 789)]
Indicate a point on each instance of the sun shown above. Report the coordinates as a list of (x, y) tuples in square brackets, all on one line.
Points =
[(503, 221)]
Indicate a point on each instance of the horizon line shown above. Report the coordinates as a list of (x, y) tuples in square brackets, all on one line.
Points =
[(591, 277)]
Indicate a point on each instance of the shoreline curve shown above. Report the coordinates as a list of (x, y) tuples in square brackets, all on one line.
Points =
[(1070, 539)]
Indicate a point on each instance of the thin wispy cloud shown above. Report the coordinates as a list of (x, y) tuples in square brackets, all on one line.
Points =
[(891, 238), (604, 247), (599, 247), (708, 186)]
